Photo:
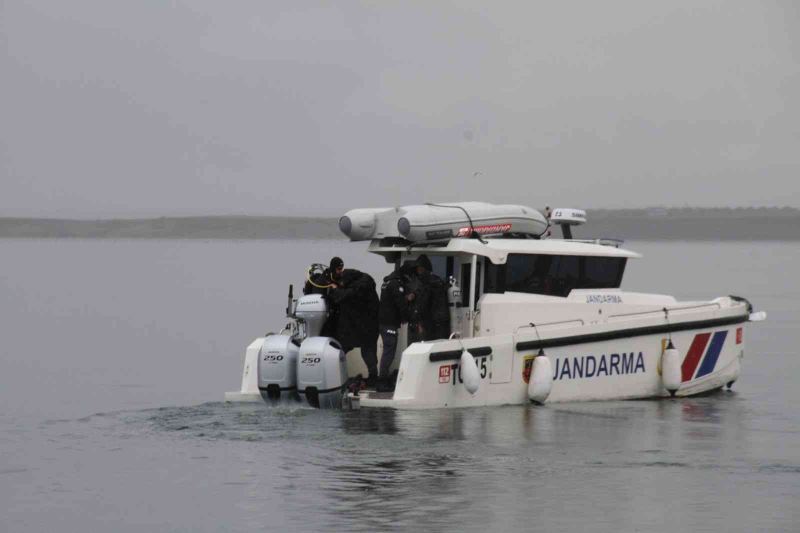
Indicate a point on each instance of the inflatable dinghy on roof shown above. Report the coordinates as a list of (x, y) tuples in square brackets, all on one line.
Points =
[(430, 222)]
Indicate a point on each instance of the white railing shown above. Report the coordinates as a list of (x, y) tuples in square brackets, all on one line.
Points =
[(573, 321), (689, 309)]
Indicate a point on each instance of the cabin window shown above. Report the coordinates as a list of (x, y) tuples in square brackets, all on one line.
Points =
[(554, 275), (466, 268), (603, 272), (439, 264), (530, 273), (565, 273), (494, 278), (449, 267)]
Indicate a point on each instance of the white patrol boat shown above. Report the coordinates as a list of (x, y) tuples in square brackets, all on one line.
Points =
[(533, 319)]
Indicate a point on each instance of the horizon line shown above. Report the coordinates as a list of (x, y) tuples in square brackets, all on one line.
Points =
[(310, 216)]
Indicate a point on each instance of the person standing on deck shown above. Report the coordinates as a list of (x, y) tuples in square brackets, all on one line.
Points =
[(353, 296), (437, 315), (392, 314), (418, 298)]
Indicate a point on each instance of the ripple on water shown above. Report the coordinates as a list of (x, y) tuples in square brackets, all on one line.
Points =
[(779, 469)]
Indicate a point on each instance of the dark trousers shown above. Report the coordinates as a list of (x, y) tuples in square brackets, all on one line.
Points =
[(437, 330), (416, 333), (369, 353), (389, 338)]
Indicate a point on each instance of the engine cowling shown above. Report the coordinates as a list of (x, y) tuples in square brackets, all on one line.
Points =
[(312, 311), (321, 372), (277, 368)]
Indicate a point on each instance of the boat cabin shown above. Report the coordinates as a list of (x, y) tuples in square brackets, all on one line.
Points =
[(499, 262), (504, 270)]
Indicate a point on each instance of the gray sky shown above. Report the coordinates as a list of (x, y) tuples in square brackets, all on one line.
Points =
[(150, 107)]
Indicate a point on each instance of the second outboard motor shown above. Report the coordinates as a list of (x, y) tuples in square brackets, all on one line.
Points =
[(321, 372), (277, 368), (312, 312)]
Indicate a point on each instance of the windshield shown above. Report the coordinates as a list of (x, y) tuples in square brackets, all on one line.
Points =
[(554, 275)]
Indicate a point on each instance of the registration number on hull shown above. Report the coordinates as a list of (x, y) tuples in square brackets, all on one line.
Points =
[(452, 373)]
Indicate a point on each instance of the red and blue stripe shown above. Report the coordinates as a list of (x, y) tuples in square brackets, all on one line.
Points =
[(702, 356)]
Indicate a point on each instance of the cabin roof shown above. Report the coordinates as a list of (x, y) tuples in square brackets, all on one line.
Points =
[(497, 250)]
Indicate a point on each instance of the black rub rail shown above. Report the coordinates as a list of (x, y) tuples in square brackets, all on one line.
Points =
[(451, 355), (631, 332), (454, 355)]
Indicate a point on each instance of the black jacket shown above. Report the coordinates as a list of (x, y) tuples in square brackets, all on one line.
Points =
[(419, 307), (393, 309), (440, 311), (356, 306), (437, 315)]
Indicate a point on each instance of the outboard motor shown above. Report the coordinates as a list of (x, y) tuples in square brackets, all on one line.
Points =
[(277, 368), (321, 372), (312, 312)]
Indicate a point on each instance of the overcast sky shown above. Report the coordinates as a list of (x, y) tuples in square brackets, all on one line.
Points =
[(151, 107)]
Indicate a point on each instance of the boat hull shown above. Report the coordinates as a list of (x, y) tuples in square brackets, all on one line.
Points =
[(612, 367)]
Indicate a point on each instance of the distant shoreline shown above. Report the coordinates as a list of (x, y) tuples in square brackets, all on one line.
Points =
[(690, 224)]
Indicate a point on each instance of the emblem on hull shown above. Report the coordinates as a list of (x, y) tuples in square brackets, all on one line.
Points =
[(527, 367)]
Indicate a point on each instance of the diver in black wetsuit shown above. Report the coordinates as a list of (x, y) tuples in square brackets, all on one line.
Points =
[(393, 312), (352, 294)]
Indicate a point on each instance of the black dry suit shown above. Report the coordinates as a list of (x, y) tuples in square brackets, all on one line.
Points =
[(418, 307), (393, 309), (437, 323), (356, 304)]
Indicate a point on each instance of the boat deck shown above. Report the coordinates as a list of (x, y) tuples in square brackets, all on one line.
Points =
[(373, 395)]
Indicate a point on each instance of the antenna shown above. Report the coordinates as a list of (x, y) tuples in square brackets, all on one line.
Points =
[(566, 218)]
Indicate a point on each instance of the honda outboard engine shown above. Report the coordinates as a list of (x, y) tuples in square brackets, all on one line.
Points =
[(312, 312), (321, 372), (277, 368)]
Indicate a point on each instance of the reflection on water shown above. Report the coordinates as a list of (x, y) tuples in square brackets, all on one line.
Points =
[(702, 410), (379, 469), (373, 421)]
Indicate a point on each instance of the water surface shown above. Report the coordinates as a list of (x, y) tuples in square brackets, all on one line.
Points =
[(115, 356)]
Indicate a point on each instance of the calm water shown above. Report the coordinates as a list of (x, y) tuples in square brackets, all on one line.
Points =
[(115, 355)]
